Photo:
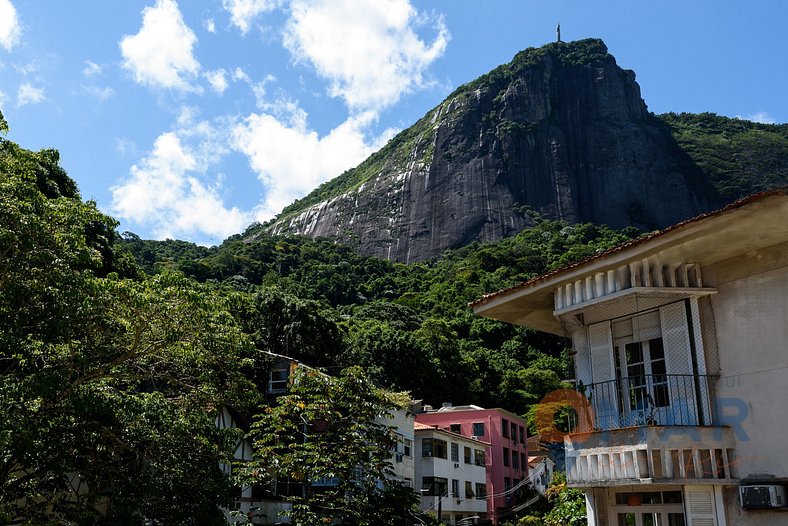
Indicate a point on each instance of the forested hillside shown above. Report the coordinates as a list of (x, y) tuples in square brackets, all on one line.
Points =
[(116, 353), (409, 325)]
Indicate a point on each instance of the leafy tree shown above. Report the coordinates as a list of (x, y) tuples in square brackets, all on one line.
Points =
[(569, 505), (108, 385), (325, 429)]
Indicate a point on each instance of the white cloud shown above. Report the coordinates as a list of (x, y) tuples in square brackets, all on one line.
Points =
[(91, 69), (243, 12), (369, 51), (217, 79), (258, 88), (98, 92), (167, 190), (760, 116), (125, 146), (29, 94), (290, 160), (160, 55), (209, 25), (10, 29), (3, 98)]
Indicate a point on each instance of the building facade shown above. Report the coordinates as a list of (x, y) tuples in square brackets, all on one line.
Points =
[(680, 343), (451, 474), (507, 461)]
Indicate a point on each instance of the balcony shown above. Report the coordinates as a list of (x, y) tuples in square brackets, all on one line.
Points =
[(646, 400), (648, 429)]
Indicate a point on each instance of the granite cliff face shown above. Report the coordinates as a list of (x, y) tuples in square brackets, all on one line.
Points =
[(560, 132)]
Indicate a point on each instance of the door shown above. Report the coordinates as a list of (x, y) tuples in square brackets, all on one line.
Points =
[(645, 393)]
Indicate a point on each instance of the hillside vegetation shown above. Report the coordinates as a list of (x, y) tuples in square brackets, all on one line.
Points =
[(738, 157), (116, 353)]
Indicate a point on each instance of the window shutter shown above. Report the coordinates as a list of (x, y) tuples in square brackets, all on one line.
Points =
[(675, 338), (678, 361), (582, 358), (603, 373), (700, 506)]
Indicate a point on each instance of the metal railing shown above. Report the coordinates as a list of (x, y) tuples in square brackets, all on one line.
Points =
[(645, 400)]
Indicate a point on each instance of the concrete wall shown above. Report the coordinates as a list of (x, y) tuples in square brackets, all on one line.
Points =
[(402, 422), (751, 318), (448, 469)]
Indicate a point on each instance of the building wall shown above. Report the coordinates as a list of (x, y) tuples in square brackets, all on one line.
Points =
[(451, 470), (402, 463), (750, 315), (496, 471)]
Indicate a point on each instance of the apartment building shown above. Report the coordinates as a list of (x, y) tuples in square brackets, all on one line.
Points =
[(507, 461), (680, 344)]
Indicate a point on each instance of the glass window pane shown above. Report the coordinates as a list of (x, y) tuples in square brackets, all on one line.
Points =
[(626, 519), (656, 349), (634, 353), (671, 497)]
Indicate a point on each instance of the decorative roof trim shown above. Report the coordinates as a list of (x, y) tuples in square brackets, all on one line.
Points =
[(629, 244)]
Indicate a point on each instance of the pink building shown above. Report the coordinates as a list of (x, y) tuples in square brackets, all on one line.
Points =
[(507, 461)]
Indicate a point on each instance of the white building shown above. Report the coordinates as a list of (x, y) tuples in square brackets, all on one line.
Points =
[(403, 463), (451, 474), (267, 505), (680, 342)]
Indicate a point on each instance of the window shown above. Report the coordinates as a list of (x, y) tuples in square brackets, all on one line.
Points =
[(455, 428), (408, 447), (522, 461), (455, 488), (468, 490), (478, 429), (435, 486), (514, 431), (277, 380), (481, 491), (426, 447), (433, 447), (522, 434), (455, 453), (468, 454), (644, 369), (505, 428), (515, 460), (478, 457), (506, 456), (507, 483)]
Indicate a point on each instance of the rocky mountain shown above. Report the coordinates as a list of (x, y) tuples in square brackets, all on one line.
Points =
[(560, 132)]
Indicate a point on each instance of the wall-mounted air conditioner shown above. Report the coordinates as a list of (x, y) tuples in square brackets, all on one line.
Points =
[(762, 496)]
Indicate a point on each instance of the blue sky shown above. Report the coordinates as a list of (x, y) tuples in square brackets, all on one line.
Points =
[(191, 120)]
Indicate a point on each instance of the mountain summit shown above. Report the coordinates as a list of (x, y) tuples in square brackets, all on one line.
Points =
[(560, 132)]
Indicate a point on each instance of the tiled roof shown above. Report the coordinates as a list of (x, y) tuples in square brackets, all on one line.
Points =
[(418, 425), (637, 241)]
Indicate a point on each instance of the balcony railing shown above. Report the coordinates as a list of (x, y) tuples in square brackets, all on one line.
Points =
[(645, 400)]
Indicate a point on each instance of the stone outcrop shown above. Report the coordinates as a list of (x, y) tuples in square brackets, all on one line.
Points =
[(561, 132)]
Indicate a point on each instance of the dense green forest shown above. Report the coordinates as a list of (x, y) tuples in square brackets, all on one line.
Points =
[(116, 353), (738, 157), (408, 325)]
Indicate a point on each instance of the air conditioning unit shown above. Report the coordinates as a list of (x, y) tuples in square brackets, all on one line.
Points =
[(474, 437), (456, 465), (762, 496)]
